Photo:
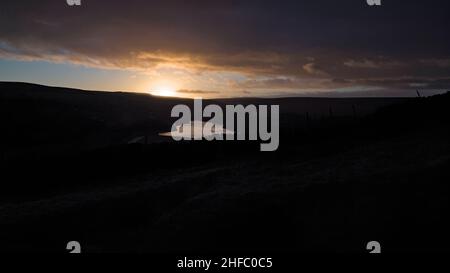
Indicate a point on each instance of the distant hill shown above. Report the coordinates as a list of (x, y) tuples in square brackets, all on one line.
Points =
[(41, 116), (50, 119)]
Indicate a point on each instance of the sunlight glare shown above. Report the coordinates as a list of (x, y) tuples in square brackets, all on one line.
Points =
[(164, 91)]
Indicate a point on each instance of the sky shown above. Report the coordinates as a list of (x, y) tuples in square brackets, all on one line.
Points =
[(227, 48)]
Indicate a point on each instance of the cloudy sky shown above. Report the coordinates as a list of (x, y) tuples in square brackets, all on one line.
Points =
[(227, 48)]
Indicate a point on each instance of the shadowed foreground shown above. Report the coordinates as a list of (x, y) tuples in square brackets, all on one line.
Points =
[(336, 183)]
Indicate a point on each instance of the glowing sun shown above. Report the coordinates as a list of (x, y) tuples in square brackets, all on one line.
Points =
[(164, 91)]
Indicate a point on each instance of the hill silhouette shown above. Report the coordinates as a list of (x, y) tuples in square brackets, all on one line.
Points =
[(373, 169), (52, 118)]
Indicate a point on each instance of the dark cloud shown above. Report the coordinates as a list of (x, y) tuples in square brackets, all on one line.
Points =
[(405, 83), (332, 43)]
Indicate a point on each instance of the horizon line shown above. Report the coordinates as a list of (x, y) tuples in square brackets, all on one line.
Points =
[(288, 96)]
